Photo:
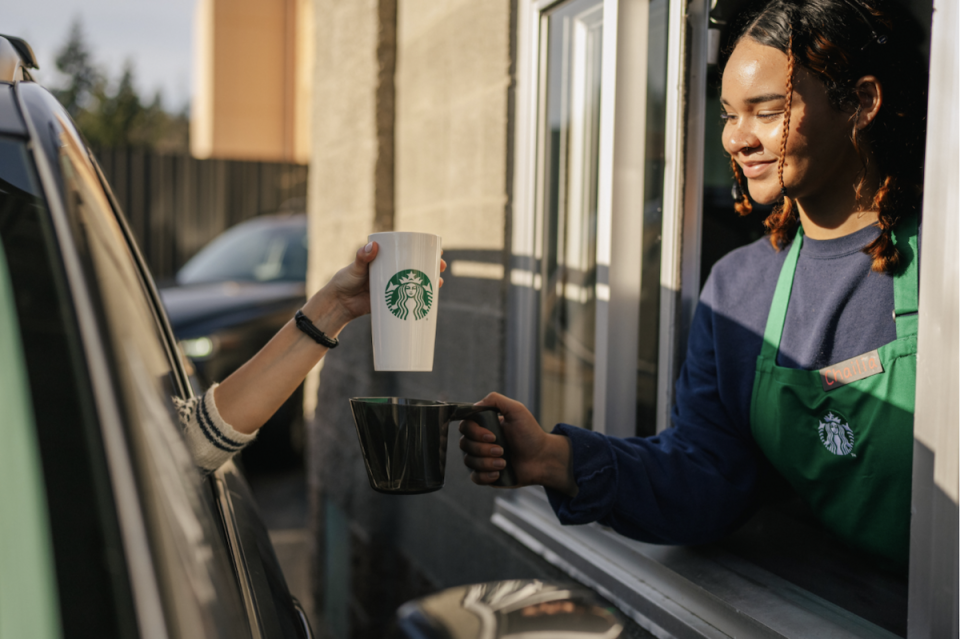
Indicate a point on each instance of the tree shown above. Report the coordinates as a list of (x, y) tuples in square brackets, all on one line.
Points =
[(75, 62), (117, 117), (113, 114)]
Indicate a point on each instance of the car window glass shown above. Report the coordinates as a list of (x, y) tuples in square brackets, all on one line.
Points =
[(257, 251), (15, 176), (91, 574), (191, 557)]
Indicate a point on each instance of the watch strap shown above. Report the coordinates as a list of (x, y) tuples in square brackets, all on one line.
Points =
[(305, 325)]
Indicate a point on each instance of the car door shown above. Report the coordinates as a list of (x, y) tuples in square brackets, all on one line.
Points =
[(143, 544), (271, 610)]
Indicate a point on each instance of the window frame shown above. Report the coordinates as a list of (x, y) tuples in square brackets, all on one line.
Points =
[(620, 192), (270, 608), (150, 615)]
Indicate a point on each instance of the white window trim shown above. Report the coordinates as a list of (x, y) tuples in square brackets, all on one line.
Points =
[(620, 197)]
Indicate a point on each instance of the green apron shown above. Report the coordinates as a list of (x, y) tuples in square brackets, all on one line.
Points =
[(848, 450)]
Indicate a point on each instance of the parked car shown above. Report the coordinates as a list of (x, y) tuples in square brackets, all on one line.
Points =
[(107, 529), (229, 299)]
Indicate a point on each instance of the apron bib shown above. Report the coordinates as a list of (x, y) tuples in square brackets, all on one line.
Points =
[(848, 451)]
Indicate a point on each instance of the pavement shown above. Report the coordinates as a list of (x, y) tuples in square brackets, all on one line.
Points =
[(282, 498)]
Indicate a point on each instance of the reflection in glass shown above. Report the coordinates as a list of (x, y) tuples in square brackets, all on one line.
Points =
[(572, 96)]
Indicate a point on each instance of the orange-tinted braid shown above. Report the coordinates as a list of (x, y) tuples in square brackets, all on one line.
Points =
[(782, 223), (885, 256), (743, 206)]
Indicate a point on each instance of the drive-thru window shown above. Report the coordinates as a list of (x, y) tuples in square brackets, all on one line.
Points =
[(622, 202)]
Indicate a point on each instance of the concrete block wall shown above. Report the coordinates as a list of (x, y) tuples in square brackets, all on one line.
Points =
[(448, 101), (342, 208), (454, 72)]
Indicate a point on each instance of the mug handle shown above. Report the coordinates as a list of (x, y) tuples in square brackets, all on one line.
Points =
[(489, 417)]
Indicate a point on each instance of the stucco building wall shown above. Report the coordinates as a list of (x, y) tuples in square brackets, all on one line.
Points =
[(252, 95)]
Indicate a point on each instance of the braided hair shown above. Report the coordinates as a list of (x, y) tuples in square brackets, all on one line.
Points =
[(840, 41)]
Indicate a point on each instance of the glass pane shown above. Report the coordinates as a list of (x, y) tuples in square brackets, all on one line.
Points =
[(572, 66), (648, 345)]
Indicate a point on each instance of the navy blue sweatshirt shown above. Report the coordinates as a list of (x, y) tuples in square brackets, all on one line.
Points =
[(699, 480)]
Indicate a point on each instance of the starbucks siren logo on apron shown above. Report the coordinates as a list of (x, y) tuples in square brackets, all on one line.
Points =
[(409, 294), (836, 434)]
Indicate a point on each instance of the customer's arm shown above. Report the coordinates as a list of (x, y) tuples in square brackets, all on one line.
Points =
[(248, 397), (226, 418)]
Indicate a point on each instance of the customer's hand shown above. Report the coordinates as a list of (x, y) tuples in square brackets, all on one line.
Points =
[(349, 288), (254, 392), (537, 457)]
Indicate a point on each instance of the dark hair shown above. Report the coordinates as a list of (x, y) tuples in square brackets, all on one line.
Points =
[(840, 41)]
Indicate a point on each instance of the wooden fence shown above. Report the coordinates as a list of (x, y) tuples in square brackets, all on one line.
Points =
[(175, 204)]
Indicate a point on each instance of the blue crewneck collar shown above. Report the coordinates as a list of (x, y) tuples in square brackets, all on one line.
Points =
[(839, 246)]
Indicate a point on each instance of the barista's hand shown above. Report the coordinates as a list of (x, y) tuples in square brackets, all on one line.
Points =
[(537, 457), (349, 289)]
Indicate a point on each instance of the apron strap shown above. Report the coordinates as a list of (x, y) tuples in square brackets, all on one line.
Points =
[(906, 281), (781, 298)]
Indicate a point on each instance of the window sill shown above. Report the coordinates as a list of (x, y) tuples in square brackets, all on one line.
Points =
[(675, 591)]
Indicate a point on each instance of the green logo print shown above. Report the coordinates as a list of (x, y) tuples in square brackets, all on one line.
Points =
[(409, 294)]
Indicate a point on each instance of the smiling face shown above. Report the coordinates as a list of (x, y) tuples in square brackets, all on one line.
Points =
[(820, 159)]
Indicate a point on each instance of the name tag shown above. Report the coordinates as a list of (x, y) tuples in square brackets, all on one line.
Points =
[(859, 367)]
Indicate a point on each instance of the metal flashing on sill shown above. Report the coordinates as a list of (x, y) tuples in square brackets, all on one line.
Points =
[(673, 591)]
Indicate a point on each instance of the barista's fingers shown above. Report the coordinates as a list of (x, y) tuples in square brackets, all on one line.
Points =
[(483, 464), (476, 449), (472, 430), (483, 479)]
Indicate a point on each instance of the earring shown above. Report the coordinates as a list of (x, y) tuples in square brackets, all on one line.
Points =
[(736, 192)]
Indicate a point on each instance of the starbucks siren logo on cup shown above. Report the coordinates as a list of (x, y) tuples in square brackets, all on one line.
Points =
[(404, 300), (409, 294)]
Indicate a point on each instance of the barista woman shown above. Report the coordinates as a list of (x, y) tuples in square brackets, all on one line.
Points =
[(802, 350)]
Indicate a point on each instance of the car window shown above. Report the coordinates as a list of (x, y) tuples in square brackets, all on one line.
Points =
[(191, 560), (91, 572), (28, 600), (256, 251)]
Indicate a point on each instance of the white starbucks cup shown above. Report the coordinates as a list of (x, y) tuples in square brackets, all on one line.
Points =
[(404, 284)]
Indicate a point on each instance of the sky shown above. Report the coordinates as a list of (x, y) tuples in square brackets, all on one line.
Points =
[(156, 35)]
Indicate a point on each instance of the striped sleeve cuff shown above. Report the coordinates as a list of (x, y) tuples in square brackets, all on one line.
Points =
[(211, 440)]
